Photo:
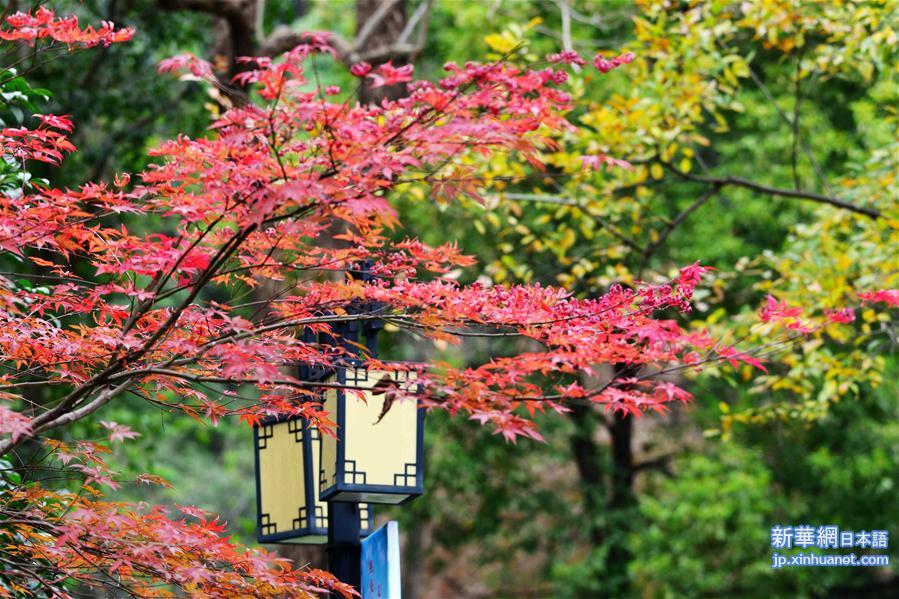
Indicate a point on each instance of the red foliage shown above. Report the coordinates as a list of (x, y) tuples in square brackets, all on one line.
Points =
[(43, 24), (605, 65), (887, 296), (387, 74), (46, 143)]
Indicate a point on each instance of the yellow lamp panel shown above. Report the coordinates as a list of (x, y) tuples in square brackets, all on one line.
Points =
[(328, 461), (281, 482), (321, 507), (379, 450)]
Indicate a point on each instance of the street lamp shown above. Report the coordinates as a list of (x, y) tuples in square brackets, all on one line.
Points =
[(315, 488), (289, 509)]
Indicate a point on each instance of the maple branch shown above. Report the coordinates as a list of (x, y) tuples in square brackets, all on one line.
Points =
[(224, 253), (157, 285), (68, 416), (30, 573), (52, 417), (200, 378), (872, 213), (98, 402)]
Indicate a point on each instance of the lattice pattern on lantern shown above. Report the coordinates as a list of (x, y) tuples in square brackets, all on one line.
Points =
[(289, 509), (372, 459)]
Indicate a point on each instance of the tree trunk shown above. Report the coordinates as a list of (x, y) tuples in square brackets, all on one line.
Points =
[(608, 491), (586, 455), (383, 35), (622, 503)]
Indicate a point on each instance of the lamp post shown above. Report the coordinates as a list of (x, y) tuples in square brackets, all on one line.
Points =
[(375, 455), (314, 488)]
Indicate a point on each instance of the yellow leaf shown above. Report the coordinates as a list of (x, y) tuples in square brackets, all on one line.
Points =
[(502, 43), (568, 239), (656, 171), (587, 229)]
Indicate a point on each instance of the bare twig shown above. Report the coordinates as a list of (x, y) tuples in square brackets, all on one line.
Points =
[(776, 191), (783, 115)]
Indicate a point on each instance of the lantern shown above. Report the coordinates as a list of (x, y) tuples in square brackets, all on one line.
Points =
[(375, 457), (289, 509)]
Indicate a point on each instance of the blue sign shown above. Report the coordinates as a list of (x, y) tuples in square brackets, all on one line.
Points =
[(381, 563)]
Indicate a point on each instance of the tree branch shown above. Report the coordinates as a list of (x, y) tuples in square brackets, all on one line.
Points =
[(283, 38), (662, 462), (421, 14), (776, 191), (95, 404), (565, 9), (372, 23)]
